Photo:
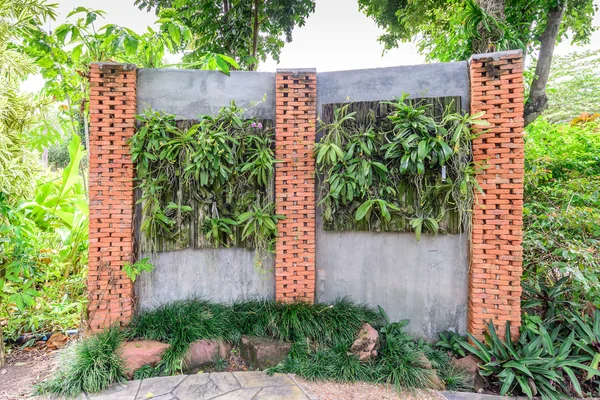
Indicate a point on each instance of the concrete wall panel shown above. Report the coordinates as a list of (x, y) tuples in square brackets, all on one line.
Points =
[(220, 275)]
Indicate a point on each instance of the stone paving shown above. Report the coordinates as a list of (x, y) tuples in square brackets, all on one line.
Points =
[(218, 386)]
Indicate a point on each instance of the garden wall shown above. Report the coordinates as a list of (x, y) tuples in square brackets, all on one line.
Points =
[(220, 274), (437, 283), (423, 281)]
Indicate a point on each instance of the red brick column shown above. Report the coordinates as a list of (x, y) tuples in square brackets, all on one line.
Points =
[(295, 135), (496, 252), (111, 173)]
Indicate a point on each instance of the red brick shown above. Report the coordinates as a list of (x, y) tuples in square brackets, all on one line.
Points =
[(496, 256), (111, 194)]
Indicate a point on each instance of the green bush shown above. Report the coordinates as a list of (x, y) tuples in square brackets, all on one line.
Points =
[(562, 207), (321, 337), (400, 363), (89, 366), (182, 322)]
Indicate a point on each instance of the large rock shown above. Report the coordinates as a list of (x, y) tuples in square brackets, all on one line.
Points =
[(436, 382), (469, 365), (263, 353), (366, 344), (424, 361), (138, 353), (203, 352)]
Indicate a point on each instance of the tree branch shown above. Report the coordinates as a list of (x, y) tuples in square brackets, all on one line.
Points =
[(255, 34), (538, 100)]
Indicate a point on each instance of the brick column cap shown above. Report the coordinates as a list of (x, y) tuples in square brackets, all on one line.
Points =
[(296, 71), (124, 66), (496, 55)]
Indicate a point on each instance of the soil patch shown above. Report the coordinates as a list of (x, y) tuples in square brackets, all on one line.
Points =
[(326, 390), (24, 368)]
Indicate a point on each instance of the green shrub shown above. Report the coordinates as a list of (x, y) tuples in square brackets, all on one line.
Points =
[(544, 363), (400, 361), (320, 324), (182, 322), (89, 366), (561, 213)]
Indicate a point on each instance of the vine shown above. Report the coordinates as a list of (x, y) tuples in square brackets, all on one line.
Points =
[(208, 183), (406, 171)]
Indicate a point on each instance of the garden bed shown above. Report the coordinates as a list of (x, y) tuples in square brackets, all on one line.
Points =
[(317, 342)]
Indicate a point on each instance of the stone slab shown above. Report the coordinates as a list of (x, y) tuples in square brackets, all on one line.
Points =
[(125, 391), (159, 386), (206, 386)]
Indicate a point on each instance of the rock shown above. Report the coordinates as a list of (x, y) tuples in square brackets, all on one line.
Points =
[(469, 364), (138, 353), (203, 352), (366, 344), (57, 341), (424, 361), (263, 353), (436, 382)]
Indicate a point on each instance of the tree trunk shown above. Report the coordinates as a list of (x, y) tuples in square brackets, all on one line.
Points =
[(538, 100), (255, 35), (2, 352), (485, 42)]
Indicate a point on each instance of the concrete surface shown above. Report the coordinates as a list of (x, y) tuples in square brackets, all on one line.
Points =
[(220, 275), (222, 386), (190, 93), (424, 281), (426, 80)]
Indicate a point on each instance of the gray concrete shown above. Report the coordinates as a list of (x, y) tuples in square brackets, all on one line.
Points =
[(424, 281), (221, 275), (190, 93), (427, 80), (218, 385)]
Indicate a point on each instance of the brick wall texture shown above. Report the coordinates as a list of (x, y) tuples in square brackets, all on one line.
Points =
[(496, 252), (111, 174), (295, 184)]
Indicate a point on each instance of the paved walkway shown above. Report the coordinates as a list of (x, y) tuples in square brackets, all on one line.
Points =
[(232, 386), (218, 386)]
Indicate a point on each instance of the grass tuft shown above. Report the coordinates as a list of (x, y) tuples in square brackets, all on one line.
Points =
[(89, 366), (145, 372), (321, 336), (180, 323)]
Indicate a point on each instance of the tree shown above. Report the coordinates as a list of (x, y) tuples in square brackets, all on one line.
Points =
[(247, 30), (17, 110), (574, 87), (449, 30)]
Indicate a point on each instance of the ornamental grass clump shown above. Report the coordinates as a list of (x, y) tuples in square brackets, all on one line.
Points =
[(89, 366), (321, 337)]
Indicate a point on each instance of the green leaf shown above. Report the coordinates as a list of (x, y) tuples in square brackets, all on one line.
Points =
[(574, 380), (175, 33), (422, 149), (76, 52), (131, 44), (362, 211)]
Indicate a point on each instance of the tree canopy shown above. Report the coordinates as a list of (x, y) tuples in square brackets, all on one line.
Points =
[(247, 30), (449, 30)]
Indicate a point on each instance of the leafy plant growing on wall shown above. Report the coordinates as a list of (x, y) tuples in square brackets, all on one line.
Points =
[(407, 171), (208, 183)]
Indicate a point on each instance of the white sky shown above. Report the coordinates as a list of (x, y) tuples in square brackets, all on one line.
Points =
[(336, 37)]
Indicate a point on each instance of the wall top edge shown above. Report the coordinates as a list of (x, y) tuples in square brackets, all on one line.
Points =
[(497, 55)]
